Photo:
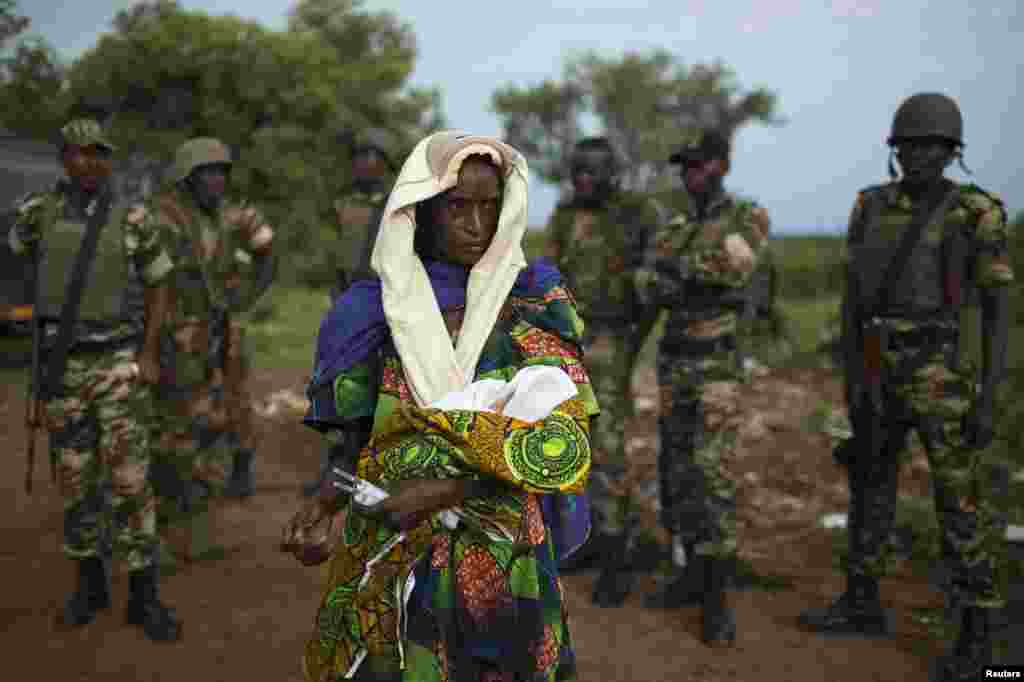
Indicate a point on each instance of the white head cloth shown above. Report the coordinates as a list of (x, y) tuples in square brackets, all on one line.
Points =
[(433, 366)]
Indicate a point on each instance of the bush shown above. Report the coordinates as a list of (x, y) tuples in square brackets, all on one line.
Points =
[(808, 266)]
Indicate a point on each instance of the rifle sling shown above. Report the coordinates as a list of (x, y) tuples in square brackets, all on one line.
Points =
[(80, 271)]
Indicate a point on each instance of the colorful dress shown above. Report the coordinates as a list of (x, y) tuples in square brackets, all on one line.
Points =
[(481, 601)]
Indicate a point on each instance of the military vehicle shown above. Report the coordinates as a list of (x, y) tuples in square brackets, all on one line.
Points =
[(25, 166)]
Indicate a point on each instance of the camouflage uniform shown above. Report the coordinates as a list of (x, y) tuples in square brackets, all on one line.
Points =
[(926, 390), (698, 269), (597, 251), (97, 413), (211, 256), (97, 426), (349, 252)]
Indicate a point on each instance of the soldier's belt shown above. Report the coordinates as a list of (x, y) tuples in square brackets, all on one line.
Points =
[(687, 345), (924, 335), (95, 346), (922, 338), (698, 313), (616, 319)]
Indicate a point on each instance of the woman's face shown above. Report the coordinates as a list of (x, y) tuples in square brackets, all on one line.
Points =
[(466, 217)]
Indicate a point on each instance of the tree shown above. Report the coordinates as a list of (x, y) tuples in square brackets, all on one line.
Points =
[(11, 23), (279, 98), (645, 104), (31, 77)]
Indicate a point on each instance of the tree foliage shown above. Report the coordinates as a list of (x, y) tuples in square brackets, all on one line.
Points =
[(645, 104), (278, 98), (31, 76), (11, 23)]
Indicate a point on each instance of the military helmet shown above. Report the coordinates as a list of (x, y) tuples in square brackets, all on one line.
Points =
[(927, 114), (84, 132), (703, 146), (199, 151)]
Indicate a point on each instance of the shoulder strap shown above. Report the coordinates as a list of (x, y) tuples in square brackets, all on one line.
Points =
[(73, 294), (932, 208), (365, 271)]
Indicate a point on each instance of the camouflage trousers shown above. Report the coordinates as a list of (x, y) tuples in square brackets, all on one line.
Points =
[(699, 428), (926, 396), (608, 362), (99, 438), (201, 421)]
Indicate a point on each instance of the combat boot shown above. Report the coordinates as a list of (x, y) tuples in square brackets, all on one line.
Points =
[(615, 581), (973, 648), (240, 483), (685, 586), (858, 611), (92, 593), (718, 626), (145, 609)]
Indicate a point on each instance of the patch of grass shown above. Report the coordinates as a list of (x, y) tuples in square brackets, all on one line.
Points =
[(807, 318), (283, 328)]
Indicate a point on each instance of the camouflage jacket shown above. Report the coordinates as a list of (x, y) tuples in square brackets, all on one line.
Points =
[(353, 234), (212, 255), (700, 267), (598, 251), (980, 216), (148, 261)]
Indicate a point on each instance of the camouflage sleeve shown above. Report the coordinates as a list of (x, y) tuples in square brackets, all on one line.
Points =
[(143, 243), (734, 257), (28, 222), (991, 237)]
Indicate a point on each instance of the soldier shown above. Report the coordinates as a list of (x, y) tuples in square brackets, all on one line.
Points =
[(596, 241), (699, 266), (915, 244), (223, 263), (358, 209), (93, 316)]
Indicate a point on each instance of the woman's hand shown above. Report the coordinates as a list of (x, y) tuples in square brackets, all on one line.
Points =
[(413, 501), (308, 536)]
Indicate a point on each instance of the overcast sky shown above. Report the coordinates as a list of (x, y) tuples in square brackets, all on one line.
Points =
[(840, 67)]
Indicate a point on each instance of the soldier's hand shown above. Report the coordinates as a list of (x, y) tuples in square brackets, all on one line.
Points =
[(309, 536), (149, 369), (30, 234), (979, 426)]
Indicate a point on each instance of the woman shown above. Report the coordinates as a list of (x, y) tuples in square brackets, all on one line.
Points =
[(477, 600)]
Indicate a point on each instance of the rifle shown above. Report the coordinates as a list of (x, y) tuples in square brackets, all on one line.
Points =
[(220, 330), (32, 399)]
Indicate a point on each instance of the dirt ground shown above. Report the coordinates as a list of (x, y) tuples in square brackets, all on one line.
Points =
[(247, 615)]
